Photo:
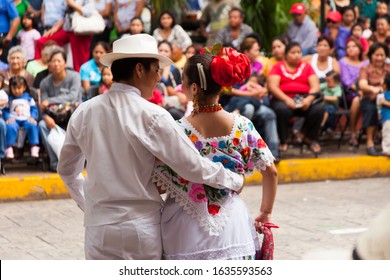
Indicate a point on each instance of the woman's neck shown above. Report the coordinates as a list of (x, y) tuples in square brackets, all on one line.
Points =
[(322, 58), (58, 78), (18, 72)]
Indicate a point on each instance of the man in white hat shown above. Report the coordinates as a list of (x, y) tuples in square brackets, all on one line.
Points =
[(120, 134)]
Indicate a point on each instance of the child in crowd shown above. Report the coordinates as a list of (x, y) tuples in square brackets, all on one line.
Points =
[(366, 23), (29, 34), (21, 111), (357, 33), (381, 10), (106, 81), (190, 51), (3, 95), (384, 110), (332, 92)]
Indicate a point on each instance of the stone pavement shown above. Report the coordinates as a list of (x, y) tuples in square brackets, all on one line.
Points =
[(308, 215)]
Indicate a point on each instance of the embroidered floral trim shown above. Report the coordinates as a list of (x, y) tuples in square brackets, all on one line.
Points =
[(293, 76), (234, 252), (212, 218)]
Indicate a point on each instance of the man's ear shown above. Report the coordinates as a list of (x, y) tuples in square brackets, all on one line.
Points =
[(139, 68)]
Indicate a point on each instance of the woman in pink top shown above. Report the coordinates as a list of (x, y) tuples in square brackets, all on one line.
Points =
[(295, 87)]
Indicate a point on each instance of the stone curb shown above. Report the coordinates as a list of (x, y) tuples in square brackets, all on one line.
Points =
[(290, 171)]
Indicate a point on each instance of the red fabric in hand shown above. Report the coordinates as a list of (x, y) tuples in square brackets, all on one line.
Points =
[(267, 248)]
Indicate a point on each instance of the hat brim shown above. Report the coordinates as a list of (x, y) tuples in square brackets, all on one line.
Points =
[(109, 58)]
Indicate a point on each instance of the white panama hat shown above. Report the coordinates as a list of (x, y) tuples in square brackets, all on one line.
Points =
[(135, 46)]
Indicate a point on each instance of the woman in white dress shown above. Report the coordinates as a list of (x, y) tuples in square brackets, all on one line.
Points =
[(200, 222)]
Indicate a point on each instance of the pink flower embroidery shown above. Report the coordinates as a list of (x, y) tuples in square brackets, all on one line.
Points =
[(197, 193), (214, 144)]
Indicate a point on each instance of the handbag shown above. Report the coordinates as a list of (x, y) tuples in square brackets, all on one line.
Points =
[(56, 139), (94, 24), (61, 112)]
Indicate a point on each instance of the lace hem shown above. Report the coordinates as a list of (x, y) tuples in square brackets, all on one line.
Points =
[(267, 159), (233, 252), (213, 224)]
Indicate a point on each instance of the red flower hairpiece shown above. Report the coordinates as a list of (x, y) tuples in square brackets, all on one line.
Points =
[(228, 66)]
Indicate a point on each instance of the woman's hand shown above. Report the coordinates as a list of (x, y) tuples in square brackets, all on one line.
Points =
[(261, 219), (50, 123), (290, 103)]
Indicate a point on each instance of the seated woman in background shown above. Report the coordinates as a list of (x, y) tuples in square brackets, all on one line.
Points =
[(371, 78), (170, 31), (350, 66), (90, 72), (294, 87), (278, 45), (38, 65)]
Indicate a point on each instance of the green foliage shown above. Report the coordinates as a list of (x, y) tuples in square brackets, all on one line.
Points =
[(269, 18)]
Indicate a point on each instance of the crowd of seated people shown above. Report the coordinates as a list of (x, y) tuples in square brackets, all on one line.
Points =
[(296, 85)]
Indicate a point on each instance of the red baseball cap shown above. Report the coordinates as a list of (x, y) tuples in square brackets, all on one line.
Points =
[(298, 8), (334, 16)]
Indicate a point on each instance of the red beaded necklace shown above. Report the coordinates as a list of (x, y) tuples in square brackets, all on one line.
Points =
[(210, 108)]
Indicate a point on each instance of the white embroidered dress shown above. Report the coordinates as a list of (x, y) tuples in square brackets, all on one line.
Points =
[(200, 222)]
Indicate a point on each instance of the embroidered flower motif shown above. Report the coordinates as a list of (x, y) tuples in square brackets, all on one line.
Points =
[(213, 209), (245, 153), (250, 126), (236, 141), (193, 138), (199, 145), (226, 161), (252, 141), (197, 193), (214, 144), (238, 133), (183, 181), (221, 144), (250, 165), (261, 143)]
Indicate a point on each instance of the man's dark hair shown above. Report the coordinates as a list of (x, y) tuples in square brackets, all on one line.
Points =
[(122, 69), (334, 75), (236, 9)]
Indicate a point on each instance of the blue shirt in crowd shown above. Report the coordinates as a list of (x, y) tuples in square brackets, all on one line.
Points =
[(8, 12), (385, 111)]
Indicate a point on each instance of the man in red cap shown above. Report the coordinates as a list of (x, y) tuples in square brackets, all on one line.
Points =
[(302, 29), (337, 32)]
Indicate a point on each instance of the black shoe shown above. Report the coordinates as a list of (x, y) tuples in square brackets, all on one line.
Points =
[(372, 152)]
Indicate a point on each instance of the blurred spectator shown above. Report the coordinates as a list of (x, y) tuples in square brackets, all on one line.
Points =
[(357, 33), (348, 18), (52, 16), (38, 65), (341, 6), (29, 35), (332, 94), (366, 23), (235, 31), (61, 87), (21, 111), (178, 57), (278, 45), (90, 71), (136, 26), (190, 51), (382, 30), (105, 8), (124, 12), (9, 22), (23, 7), (295, 87), (370, 82), (215, 16), (322, 62), (62, 33), (337, 32), (382, 9), (350, 66), (170, 31), (384, 105), (302, 29), (106, 81), (367, 8), (260, 58), (44, 73), (174, 100), (3, 129), (17, 62)]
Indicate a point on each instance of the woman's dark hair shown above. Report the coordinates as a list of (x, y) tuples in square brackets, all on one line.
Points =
[(33, 18), (191, 71), (104, 45), (374, 47), (255, 36), (16, 81), (247, 44), (358, 44), (385, 17), (166, 12), (291, 45), (349, 9), (58, 51), (142, 22), (282, 39), (165, 42), (327, 39), (362, 19), (123, 69)]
